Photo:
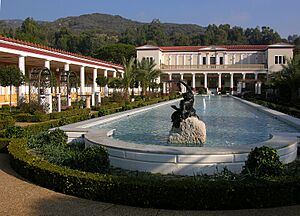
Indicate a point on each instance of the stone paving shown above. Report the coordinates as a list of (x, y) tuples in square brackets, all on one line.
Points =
[(20, 197)]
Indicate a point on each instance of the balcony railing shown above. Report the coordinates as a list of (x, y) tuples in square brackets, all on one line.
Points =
[(215, 67)]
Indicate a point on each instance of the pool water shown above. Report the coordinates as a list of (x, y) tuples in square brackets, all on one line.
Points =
[(228, 122)]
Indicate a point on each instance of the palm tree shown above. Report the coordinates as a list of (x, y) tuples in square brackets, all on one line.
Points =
[(129, 75), (289, 76), (147, 73)]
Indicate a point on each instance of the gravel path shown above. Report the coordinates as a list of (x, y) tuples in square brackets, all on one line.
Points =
[(20, 197)]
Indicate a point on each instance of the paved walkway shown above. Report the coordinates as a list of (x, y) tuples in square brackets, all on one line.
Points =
[(19, 197)]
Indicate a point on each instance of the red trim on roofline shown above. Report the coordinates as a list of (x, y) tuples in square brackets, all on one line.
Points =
[(225, 47), (97, 62)]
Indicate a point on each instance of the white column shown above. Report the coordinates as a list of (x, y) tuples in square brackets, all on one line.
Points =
[(233, 59), (22, 89), (140, 88), (255, 76), (164, 87), (231, 81), (208, 59), (177, 59), (181, 85), (244, 80), (58, 102), (205, 80), (67, 67), (170, 76), (114, 74), (220, 81), (47, 64), (194, 81), (169, 84), (105, 87), (82, 80), (184, 60), (199, 59), (217, 59), (48, 95), (94, 90), (225, 58), (191, 59), (122, 75)]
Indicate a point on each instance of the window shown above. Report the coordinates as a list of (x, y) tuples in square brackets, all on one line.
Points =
[(280, 59), (204, 60), (212, 60), (221, 60)]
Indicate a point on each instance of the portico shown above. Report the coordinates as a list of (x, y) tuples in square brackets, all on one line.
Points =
[(30, 56)]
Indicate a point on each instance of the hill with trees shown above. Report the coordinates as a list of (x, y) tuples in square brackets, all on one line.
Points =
[(92, 33)]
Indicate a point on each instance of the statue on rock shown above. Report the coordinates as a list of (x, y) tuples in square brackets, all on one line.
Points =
[(187, 127)]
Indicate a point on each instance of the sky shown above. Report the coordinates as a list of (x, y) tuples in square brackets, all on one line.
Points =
[(281, 15)]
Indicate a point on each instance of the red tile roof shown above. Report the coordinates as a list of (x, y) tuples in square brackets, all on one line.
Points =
[(40, 46), (227, 47)]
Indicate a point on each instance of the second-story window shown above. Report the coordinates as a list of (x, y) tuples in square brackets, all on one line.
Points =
[(280, 59), (221, 60), (204, 60), (212, 60)]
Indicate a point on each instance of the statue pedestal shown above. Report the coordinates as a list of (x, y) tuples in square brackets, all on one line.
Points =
[(191, 131)]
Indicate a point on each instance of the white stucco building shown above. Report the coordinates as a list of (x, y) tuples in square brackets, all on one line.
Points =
[(220, 67)]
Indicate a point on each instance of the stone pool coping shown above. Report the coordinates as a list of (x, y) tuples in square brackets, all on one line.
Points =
[(179, 160)]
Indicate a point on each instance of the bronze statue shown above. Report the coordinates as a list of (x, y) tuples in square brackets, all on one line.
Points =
[(186, 108)]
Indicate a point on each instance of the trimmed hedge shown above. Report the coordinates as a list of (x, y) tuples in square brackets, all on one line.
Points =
[(154, 191)]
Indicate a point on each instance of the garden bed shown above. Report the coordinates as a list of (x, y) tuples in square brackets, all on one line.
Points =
[(156, 191)]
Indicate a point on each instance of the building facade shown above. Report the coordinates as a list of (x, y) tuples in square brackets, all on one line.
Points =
[(29, 56), (216, 68)]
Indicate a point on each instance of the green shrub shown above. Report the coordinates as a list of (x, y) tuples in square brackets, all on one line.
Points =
[(155, 191), (56, 137), (263, 161), (36, 117), (15, 132), (94, 159), (6, 121)]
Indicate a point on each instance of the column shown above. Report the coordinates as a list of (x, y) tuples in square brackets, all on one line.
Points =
[(220, 82), (194, 82), (181, 85), (225, 58), (67, 67), (82, 80), (164, 88), (231, 82), (114, 74), (69, 99), (208, 59), (184, 60), (140, 88), (255, 76), (94, 87), (170, 76), (48, 95), (22, 88), (105, 87), (205, 80), (58, 96), (177, 59), (233, 59), (191, 59), (217, 59), (199, 59), (244, 80)]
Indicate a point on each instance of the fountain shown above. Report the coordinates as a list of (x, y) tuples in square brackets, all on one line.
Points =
[(187, 127)]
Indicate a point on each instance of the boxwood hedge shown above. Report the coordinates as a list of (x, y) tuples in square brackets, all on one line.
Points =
[(157, 192)]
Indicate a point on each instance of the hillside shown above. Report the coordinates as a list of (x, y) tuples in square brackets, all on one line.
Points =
[(102, 23)]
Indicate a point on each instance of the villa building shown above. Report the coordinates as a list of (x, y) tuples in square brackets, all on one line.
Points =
[(29, 57), (215, 68)]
